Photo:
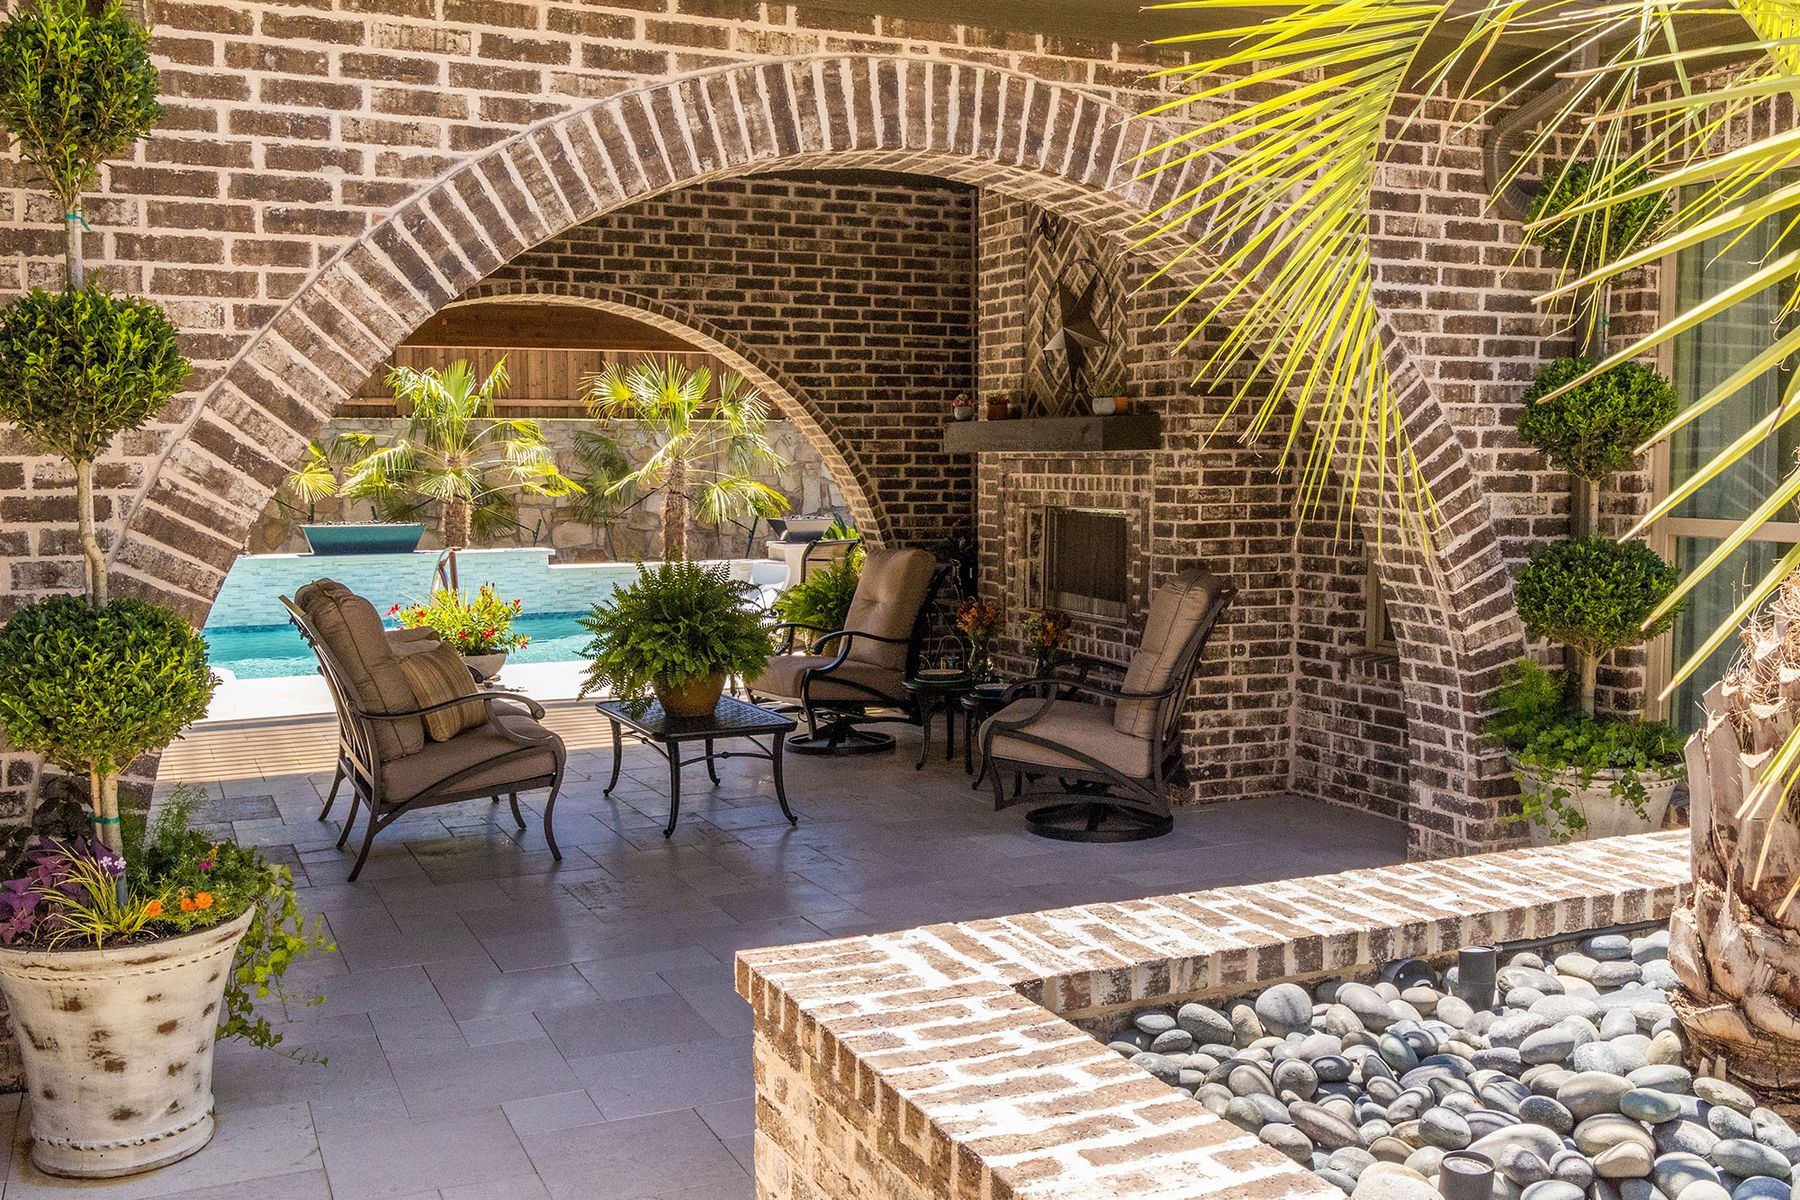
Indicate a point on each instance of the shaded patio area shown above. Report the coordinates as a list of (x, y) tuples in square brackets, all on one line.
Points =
[(500, 1027)]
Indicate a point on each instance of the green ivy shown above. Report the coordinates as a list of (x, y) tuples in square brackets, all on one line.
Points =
[(678, 622), (91, 689), (1584, 242), (1594, 594), (76, 88), (1533, 720), (1595, 429), (79, 367)]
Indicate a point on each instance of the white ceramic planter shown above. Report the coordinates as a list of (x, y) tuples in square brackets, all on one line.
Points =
[(485, 666), (118, 1048), (1607, 815)]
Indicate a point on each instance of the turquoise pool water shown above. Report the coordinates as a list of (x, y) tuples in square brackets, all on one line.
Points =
[(248, 634), (276, 651)]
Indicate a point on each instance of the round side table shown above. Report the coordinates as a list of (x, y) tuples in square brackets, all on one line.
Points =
[(929, 694)]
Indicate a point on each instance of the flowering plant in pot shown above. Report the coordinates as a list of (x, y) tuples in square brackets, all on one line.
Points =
[(1046, 635), (678, 631), (120, 1072), (479, 626)]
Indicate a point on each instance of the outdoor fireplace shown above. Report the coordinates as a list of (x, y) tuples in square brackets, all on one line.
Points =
[(1087, 562)]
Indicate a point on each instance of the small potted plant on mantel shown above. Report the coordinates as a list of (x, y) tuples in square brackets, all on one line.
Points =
[(121, 957), (677, 632), (479, 626)]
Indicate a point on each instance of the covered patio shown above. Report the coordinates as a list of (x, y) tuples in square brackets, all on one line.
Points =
[(502, 1027)]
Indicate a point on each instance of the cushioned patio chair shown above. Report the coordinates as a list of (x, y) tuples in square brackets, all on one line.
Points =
[(853, 677), (398, 753), (1112, 761)]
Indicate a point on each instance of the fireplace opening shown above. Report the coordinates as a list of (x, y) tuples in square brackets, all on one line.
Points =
[(1086, 553)]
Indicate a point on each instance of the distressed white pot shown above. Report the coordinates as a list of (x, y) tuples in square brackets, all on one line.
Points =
[(118, 1048), (1607, 815), (485, 666)]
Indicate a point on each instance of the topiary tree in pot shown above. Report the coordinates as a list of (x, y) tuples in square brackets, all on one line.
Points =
[(80, 367), (1580, 773), (1595, 428)]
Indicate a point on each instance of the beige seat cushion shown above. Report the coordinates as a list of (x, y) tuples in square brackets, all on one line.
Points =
[(436, 675), (1176, 610), (404, 778), (351, 630), (781, 679), (889, 594), (1084, 727)]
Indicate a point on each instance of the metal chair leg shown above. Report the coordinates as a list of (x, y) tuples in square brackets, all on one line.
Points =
[(513, 798), (350, 820), (337, 781), (368, 844), (549, 809)]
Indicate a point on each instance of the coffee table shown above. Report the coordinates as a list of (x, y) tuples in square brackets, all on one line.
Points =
[(733, 718)]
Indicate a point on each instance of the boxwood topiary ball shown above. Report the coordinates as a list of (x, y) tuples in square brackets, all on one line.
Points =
[(1595, 428), (1594, 594)]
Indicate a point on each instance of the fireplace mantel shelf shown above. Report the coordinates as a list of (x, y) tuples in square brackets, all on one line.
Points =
[(1123, 431)]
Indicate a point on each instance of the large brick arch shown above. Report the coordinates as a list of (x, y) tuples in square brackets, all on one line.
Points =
[(841, 458), (1048, 142)]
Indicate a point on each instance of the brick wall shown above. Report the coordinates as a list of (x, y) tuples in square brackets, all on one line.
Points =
[(951, 1060), (857, 293), (327, 179)]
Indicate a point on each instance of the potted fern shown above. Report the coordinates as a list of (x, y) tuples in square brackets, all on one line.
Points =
[(678, 632)]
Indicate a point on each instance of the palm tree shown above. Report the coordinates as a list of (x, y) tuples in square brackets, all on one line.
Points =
[(456, 456), (1309, 95), (709, 444)]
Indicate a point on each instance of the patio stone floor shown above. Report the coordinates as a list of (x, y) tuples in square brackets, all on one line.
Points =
[(501, 1027)]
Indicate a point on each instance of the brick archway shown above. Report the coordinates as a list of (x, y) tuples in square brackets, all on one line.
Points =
[(1053, 144), (797, 405)]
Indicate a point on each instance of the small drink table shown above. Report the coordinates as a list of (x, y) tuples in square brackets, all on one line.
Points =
[(977, 706), (931, 692), (666, 735)]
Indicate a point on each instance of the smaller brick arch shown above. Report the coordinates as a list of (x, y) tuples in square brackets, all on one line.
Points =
[(797, 404)]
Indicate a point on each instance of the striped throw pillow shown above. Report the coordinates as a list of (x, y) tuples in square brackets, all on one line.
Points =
[(437, 675)]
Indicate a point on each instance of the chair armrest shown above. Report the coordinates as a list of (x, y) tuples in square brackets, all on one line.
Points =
[(489, 699), (848, 638)]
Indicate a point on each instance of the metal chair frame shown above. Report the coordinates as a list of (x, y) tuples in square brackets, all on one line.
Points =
[(359, 760), (1098, 790), (843, 732)]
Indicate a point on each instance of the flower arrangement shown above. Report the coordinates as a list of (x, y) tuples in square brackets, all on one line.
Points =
[(978, 621), (1046, 633), (170, 881), (478, 625)]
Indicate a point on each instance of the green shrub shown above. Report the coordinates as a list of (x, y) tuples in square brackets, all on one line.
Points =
[(1584, 242), (79, 367), (76, 88), (1531, 697), (821, 601), (679, 622), (1594, 594), (1596, 428), (92, 689)]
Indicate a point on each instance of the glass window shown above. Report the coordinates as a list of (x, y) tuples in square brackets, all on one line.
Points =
[(1703, 358)]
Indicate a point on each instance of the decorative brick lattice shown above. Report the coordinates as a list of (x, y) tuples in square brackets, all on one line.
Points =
[(943, 1061)]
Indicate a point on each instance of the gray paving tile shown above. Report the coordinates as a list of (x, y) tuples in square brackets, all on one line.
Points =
[(459, 1078), (397, 1156), (613, 1026), (472, 989), (610, 1159), (634, 1083)]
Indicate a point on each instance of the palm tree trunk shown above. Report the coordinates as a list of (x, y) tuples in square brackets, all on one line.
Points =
[(90, 540), (1737, 955), (458, 516), (675, 513)]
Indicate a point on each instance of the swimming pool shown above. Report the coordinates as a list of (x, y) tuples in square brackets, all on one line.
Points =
[(248, 635)]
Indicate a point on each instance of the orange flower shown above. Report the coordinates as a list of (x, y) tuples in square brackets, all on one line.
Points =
[(187, 904), (153, 909), (203, 900)]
